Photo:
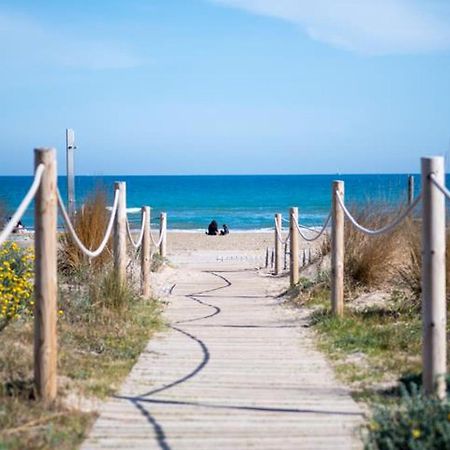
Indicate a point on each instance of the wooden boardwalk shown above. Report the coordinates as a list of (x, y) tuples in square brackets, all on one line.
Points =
[(235, 370)]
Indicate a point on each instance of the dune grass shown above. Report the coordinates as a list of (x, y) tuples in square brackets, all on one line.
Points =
[(370, 261), (90, 224)]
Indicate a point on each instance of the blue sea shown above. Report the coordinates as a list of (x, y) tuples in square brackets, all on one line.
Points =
[(242, 202)]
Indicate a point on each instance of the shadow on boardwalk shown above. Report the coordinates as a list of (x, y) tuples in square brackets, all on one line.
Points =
[(237, 371)]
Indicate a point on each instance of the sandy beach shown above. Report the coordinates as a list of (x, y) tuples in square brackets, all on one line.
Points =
[(238, 241)]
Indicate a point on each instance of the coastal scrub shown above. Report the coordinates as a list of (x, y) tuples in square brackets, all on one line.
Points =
[(16, 283)]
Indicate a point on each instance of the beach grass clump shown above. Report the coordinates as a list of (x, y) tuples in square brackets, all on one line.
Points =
[(16, 283), (410, 269), (370, 260), (415, 422), (107, 291), (388, 337), (90, 224)]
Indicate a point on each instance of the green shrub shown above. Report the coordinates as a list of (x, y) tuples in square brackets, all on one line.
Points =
[(16, 283), (416, 422)]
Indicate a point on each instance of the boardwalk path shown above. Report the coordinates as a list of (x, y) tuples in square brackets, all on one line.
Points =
[(235, 370)]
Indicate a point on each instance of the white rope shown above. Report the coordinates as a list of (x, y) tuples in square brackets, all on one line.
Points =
[(161, 237), (319, 233), (278, 234), (12, 223), (138, 243), (76, 239), (386, 228), (442, 188)]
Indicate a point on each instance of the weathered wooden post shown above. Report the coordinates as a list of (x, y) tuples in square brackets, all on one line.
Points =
[(285, 253), (433, 279), (120, 231), (70, 147), (45, 281), (163, 233), (294, 258), (410, 189), (267, 257), (145, 253), (337, 250), (278, 238)]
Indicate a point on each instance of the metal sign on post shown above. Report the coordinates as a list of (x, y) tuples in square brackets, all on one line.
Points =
[(70, 147)]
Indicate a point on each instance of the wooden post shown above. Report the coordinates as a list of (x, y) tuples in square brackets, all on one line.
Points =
[(267, 257), (70, 147), (120, 230), (277, 269), (433, 279), (285, 253), (337, 250), (294, 259), (272, 258), (145, 254), (410, 189), (163, 229), (45, 281)]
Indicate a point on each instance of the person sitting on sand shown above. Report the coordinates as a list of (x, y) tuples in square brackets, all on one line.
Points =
[(19, 228), (225, 230), (213, 229)]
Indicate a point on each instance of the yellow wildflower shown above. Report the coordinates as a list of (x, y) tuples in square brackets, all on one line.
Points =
[(416, 433)]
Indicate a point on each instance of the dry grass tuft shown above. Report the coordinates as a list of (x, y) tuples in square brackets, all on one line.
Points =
[(90, 224), (370, 260), (410, 270)]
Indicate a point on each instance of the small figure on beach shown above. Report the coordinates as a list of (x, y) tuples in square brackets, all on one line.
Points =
[(19, 228), (225, 230), (213, 229)]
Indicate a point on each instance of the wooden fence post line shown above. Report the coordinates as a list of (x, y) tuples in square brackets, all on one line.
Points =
[(278, 250), (145, 254), (410, 189), (294, 258), (45, 284), (337, 250), (163, 229), (433, 279), (120, 230)]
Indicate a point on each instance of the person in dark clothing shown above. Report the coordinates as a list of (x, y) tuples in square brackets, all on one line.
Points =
[(213, 229), (225, 230)]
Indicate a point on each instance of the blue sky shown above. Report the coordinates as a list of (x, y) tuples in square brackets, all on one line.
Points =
[(226, 86)]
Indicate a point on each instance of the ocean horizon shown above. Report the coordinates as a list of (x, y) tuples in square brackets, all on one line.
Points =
[(243, 202)]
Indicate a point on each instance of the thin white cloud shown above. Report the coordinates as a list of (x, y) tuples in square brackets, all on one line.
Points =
[(25, 42), (364, 26)]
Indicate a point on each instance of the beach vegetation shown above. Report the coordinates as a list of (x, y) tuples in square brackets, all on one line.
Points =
[(370, 260), (103, 326), (90, 224), (16, 283), (414, 422)]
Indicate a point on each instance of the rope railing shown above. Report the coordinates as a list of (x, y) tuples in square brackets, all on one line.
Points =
[(161, 238), (138, 243), (318, 233), (385, 229), (279, 235), (440, 186), (20, 211), (89, 253)]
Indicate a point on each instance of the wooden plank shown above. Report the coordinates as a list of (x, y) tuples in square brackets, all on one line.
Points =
[(248, 376)]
